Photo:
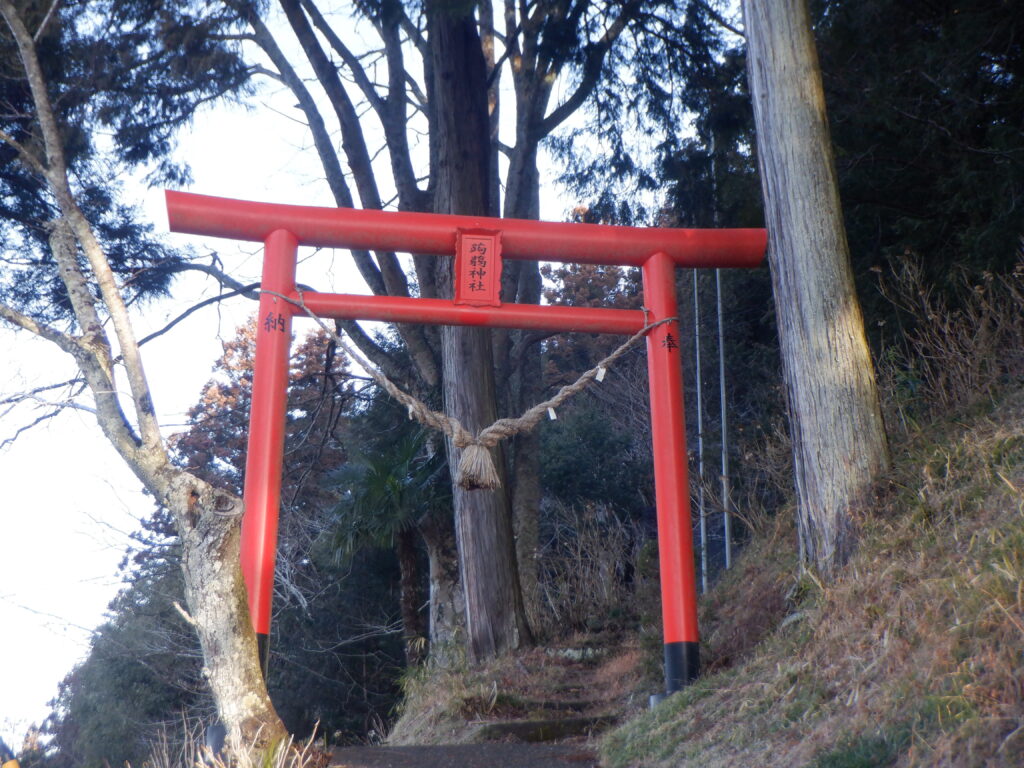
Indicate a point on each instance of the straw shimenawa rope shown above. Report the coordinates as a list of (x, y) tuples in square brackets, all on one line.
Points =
[(476, 467)]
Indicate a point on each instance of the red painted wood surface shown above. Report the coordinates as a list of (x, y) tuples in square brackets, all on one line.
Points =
[(401, 309), (478, 268), (668, 435), (262, 492), (429, 233)]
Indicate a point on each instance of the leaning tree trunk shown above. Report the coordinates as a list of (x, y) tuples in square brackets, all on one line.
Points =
[(839, 443), (207, 523), (495, 618)]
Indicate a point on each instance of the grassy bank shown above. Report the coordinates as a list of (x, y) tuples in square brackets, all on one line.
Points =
[(914, 657)]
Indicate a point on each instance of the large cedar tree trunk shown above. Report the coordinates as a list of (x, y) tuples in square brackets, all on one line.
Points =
[(839, 443), (527, 386), (495, 618)]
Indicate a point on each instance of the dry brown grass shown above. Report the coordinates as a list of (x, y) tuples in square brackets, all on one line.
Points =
[(951, 356), (912, 658), (182, 746), (591, 571), (732, 628)]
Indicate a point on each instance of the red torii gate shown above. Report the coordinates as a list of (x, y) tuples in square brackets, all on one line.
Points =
[(479, 244)]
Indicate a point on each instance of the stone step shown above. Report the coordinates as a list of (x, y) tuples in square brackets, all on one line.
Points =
[(541, 730), (559, 705)]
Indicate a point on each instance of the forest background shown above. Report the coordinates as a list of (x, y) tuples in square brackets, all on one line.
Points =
[(926, 111)]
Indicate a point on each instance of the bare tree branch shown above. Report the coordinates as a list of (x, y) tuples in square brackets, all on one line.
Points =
[(60, 405), (596, 53), (369, 347), (25, 428), (222, 277), (46, 20), (24, 155), (321, 140), (352, 139), (720, 20), (17, 398), (246, 290), (65, 341), (368, 89)]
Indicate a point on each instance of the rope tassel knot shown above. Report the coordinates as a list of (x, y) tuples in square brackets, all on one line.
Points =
[(476, 469)]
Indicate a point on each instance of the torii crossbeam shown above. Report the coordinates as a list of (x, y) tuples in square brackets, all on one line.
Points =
[(479, 244)]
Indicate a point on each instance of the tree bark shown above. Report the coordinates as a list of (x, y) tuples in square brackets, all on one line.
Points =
[(495, 617), (413, 633), (207, 521), (447, 603), (527, 385), (839, 441)]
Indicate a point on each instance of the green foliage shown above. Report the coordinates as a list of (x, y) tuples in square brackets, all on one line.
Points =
[(927, 110), (134, 71), (586, 459), (657, 85), (867, 751), (389, 482)]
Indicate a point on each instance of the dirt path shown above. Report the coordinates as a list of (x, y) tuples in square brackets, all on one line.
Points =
[(466, 756)]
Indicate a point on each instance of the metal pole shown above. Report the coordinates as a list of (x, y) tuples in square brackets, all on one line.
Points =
[(668, 435), (262, 491), (702, 512), (726, 514)]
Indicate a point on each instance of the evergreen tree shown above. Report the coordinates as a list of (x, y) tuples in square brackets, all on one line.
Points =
[(134, 72), (144, 666), (927, 114)]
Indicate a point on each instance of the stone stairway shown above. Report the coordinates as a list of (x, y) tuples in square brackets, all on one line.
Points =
[(565, 694)]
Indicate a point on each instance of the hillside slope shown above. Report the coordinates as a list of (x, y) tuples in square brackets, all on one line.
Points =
[(914, 657)]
